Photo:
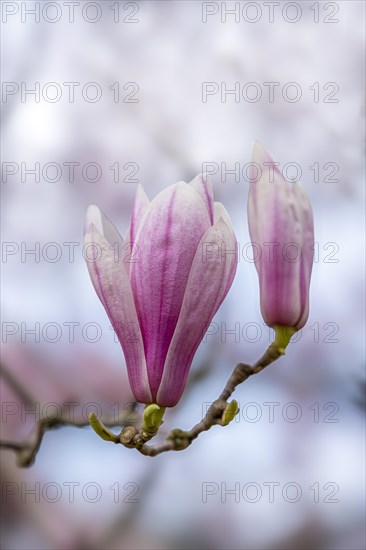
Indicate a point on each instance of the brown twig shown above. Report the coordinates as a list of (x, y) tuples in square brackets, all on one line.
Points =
[(243, 371), (178, 440), (130, 436), (16, 385), (27, 449)]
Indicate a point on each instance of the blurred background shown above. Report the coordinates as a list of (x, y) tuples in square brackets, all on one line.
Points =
[(98, 97)]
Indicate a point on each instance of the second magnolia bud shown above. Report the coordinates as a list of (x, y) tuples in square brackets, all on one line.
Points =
[(281, 214)]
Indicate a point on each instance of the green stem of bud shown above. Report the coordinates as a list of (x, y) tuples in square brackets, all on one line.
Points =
[(152, 420), (283, 336)]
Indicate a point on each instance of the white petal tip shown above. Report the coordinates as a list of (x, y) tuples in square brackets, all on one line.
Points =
[(257, 147), (140, 192), (206, 178), (221, 214), (93, 216), (260, 154)]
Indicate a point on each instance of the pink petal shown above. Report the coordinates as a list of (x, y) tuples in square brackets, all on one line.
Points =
[(140, 206), (307, 250), (103, 225), (221, 212), (207, 286), (263, 161), (167, 242), (112, 285), (274, 223), (202, 184)]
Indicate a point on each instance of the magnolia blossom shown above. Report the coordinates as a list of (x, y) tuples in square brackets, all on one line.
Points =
[(162, 299), (282, 231)]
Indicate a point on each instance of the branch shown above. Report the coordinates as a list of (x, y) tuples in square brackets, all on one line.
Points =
[(219, 413), (27, 449), (16, 385)]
